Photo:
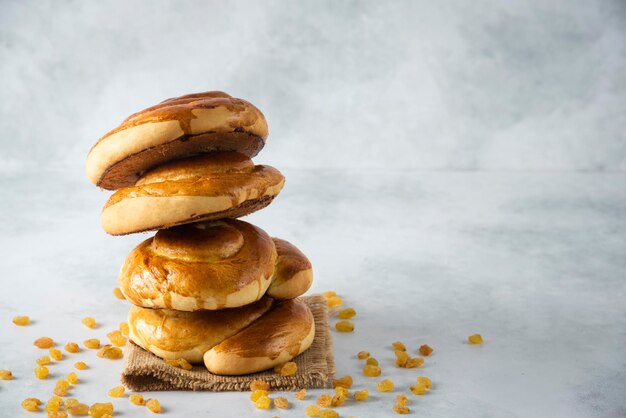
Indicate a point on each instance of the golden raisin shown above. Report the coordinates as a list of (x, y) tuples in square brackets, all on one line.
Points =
[(153, 405), (325, 400), (401, 409), (44, 342), (361, 395), (371, 362), (92, 343), (346, 313), (338, 399), (61, 388), (89, 322), (259, 384), (264, 402), (423, 380), (124, 328), (72, 347), (414, 362), (257, 393), (42, 361), (72, 378), (398, 346), (136, 399), (54, 404), (402, 399), (329, 294), (117, 392), (41, 372), (425, 350), (418, 389), (334, 301), (289, 369), (31, 404), (402, 357), (100, 409), (56, 354), (385, 385), (80, 365), (281, 403), (301, 394), (21, 320), (345, 382), (57, 414), (116, 338), (362, 355), (312, 411), (475, 339), (111, 353), (180, 362), (344, 326), (371, 371), (329, 413), (79, 409), (70, 402), (6, 375), (340, 389), (118, 293)]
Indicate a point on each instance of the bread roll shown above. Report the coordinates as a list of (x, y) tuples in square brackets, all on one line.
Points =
[(276, 337), (212, 265), (231, 341), (209, 186), (174, 334), (175, 128)]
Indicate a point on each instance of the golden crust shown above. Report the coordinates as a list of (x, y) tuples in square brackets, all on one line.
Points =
[(224, 184), (175, 128), (278, 336), (174, 334), (212, 265), (217, 265)]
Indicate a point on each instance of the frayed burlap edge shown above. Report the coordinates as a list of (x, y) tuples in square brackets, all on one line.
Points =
[(143, 371)]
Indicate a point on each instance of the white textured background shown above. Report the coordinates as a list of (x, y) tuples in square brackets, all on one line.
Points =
[(452, 167)]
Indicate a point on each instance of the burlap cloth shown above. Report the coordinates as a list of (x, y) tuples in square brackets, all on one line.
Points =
[(143, 371)]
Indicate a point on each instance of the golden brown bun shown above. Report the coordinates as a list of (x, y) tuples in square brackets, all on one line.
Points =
[(174, 334), (175, 128), (205, 187), (231, 341), (212, 265), (276, 337), (216, 265), (293, 274)]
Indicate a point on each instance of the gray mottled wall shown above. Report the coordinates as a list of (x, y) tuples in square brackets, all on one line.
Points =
[(497, 85)]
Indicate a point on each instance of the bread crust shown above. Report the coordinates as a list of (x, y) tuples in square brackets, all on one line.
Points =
[(214, 186), (278, 336), (173, 129)]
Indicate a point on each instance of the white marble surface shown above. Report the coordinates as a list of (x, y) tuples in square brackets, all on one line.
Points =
[(533, 261)]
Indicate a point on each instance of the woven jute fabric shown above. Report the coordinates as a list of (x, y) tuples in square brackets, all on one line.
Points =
[(143, 371)]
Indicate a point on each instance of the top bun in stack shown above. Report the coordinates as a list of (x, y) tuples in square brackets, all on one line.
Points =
[(175, 128)]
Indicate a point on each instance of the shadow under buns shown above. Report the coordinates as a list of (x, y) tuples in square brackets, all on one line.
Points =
[(173, 129), (204, 187), (215, 265), (173, 334), (276, 337)]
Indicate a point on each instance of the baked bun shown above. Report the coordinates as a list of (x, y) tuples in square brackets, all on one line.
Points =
[(231, 341), (175, 128), (276, 337), (204, 187), (212, 265), (174, 334)]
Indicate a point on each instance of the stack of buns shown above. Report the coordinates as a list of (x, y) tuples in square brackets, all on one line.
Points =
[(206, 288)]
